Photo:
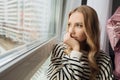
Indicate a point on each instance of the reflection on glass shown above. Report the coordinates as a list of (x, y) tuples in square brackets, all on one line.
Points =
[(23, 21)]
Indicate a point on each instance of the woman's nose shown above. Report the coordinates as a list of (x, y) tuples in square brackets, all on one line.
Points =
[(71, 31)]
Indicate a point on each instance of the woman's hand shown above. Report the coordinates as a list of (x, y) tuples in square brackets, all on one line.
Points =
[(71, 42)]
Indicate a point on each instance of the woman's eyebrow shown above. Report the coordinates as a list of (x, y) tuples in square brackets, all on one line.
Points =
[(79, 23)]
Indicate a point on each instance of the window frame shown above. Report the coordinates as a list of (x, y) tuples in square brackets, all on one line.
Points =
[(14, 59)]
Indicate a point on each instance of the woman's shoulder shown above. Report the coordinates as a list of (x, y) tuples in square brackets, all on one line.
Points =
[(59, 45), (58, 50), (103, 57)]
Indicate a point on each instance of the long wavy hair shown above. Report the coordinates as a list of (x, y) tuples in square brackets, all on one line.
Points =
[(92, 32)]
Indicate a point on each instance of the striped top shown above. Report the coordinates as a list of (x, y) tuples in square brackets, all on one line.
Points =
[(63, 67)]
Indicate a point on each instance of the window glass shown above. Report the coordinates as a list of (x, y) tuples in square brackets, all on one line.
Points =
[(24, 25), (24, 21)]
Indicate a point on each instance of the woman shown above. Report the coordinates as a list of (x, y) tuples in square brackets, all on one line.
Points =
[(79, 56)]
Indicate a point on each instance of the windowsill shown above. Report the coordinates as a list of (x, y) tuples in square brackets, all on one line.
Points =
[(42, 71), (25, 65)]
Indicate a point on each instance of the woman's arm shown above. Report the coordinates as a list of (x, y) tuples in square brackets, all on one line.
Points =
[(64, 66), (106, 71)]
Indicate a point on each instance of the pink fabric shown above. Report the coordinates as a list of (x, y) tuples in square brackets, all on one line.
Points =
[(113, 28), (117, 61)]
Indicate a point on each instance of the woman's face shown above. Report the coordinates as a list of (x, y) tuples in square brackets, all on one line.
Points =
[(76, 26)]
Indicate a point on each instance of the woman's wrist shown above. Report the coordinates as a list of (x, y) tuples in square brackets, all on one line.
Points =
[(76, 54)]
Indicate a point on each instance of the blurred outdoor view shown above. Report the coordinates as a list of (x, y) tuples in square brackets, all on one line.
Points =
[(23, 21)]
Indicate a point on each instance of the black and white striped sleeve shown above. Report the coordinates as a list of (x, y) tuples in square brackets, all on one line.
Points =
[(106, 72), (64, 67)]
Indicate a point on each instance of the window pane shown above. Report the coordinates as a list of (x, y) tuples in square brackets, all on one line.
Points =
[(24, 25), (24, 21)]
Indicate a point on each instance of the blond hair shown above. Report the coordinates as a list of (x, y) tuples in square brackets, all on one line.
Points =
[(93, 36)]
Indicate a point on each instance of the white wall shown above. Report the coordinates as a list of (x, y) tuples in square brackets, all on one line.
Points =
[(104, 10)]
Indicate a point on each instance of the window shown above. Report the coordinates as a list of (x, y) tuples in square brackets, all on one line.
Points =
[(24, 25)]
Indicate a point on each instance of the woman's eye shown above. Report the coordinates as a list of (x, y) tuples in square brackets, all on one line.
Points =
[(68, 25), (78, 25)]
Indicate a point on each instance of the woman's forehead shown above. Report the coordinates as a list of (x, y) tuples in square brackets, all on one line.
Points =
[(76, 16)]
